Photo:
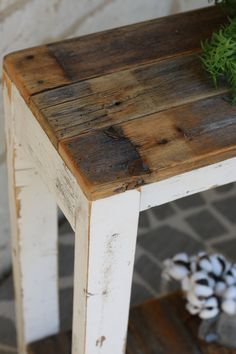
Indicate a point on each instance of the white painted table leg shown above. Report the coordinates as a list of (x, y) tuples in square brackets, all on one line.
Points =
[(34, 244), (104, 256)]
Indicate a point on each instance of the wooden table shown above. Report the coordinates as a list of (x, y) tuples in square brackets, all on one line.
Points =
[(105, 126)]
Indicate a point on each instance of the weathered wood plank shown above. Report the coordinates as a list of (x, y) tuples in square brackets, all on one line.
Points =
[(123, 96), (154, 120), (33, 70), (46, 67), (160, 326), (133, 45), (153, 148), (185, 135)]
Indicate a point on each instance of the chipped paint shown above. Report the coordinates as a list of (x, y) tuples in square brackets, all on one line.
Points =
[(100, 341)]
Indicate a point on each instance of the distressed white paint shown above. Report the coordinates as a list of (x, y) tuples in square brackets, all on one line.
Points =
[(104, 258), (188, 183), (33, 214), (38, 250), (60, 181)]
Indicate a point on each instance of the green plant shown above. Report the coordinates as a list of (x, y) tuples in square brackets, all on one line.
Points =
[(219, 53)]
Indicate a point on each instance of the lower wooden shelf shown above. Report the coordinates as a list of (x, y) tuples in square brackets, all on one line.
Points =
[(159, 326)]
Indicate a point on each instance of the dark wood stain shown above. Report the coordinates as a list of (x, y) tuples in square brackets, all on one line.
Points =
[(129, 106), (159, 326), (162, 141), (152, 148), (115, 133), (29, 57), (127, 95), (68, 93), (105, 155), (192, 134), (73, 60), (34, 70), (121, 48)]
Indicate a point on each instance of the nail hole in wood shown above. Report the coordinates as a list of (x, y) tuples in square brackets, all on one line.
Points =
[(30, 57), (163, 141)]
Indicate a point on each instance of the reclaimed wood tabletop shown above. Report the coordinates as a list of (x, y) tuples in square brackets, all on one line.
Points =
[(129, 106)]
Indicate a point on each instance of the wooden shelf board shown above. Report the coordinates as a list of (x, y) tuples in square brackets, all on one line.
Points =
[(159, 326)]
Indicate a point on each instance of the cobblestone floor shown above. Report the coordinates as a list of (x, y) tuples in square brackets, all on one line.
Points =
[(202, 221)]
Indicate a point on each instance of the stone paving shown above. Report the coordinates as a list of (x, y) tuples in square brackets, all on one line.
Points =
[(202, 221)]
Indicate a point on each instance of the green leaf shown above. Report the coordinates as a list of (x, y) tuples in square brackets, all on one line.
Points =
[(219, 53)]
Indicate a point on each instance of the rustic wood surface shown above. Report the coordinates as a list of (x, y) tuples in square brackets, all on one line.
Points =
[(155, 147), (49, 66), (160, 326), (129, 106), (124, 96)]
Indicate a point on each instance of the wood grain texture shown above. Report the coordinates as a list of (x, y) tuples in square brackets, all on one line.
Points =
[(155, 147), (33, 70), (37, 69), (136, 44), (129, 106), (123, 96), (159, 326)]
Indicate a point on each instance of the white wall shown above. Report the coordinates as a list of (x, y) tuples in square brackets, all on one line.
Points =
[(26, 23)]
